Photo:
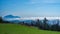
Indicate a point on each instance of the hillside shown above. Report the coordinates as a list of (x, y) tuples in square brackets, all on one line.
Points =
[(21, 29)]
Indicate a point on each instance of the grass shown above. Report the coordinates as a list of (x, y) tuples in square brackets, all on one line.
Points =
[(21, 29)]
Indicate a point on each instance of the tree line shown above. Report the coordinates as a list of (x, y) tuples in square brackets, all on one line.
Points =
[(46, 26), (2, 21), (41, 25)]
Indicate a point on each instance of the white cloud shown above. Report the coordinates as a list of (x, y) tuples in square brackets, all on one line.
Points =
[(34, 18), (51, 1), (45, 1)]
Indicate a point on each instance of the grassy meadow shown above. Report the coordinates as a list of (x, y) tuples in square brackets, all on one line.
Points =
[(22, 29)]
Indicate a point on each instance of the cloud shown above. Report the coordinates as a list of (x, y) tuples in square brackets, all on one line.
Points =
[(45, 1), (51, 1)]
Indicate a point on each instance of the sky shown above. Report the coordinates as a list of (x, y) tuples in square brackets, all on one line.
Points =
[(30, 8)]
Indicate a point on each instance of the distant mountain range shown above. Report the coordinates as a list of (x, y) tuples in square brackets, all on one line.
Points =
[(17, 19), (11, 16)]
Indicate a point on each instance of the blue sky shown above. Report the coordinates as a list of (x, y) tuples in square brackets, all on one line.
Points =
[(30, 8)]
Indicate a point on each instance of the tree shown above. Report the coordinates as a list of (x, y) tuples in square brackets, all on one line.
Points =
[(1, 20), (23, 22), (32, 24), (55, 26), (38, 23), (45, 25)]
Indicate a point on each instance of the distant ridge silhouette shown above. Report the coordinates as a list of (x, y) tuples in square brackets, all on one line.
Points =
[(11, 16)]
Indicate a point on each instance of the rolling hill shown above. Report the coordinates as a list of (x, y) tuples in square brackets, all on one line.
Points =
[(22, 29)]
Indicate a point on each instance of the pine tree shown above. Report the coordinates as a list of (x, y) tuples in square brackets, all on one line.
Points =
[(45, 25), (38, 23)]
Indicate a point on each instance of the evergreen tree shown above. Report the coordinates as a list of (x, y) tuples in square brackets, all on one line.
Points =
[(1, 20), (32, 24), (57, 25), (38, 23), (45, 25)]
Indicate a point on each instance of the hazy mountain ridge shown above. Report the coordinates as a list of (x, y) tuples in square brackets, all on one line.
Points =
[(17, 19), (11, 16)]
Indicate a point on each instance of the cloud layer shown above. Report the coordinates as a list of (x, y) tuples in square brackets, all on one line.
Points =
[(44, 1)]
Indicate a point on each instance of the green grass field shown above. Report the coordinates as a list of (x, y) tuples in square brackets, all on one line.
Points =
[(21, 29)]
